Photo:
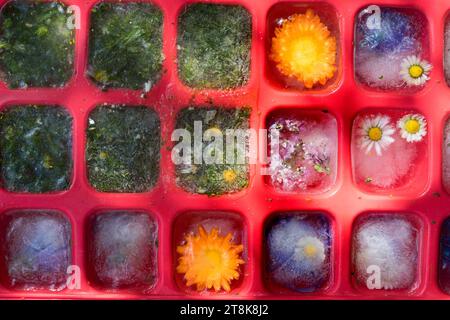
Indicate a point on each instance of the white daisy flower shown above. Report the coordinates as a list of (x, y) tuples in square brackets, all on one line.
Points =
[(375, 132), (311, 250), (413, 127), (415, 71)]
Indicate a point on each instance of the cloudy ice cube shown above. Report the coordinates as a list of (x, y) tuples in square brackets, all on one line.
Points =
[(444, 260), (384, 36), (303, 152), (385, 252), (298, 251), (446, 158), (123, 250), (37, 249), (398, 162)]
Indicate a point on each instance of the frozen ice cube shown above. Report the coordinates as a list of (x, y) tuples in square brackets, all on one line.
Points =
[(385, 251), (391, 159), (444, 260), (123, 249), (447, 50), (298, 251), (37, 249), (384, 37), (303, 152), (446, 157)]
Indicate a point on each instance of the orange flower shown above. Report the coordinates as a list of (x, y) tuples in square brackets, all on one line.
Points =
[(209, 260), (304, 49)]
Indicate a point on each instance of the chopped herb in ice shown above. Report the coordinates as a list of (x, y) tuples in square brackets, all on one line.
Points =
[(36, 44), (36, 148), (214, 44), (214, 177), (123, 148), (125, 45)]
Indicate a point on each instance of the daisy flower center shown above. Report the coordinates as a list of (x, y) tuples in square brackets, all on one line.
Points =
[(412, 126), (310, 250), (415, 71), (375, 134), (229, 175)]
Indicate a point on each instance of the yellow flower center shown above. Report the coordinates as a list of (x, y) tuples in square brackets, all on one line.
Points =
[(412, 126), (310, 250), (375, 134), (103, 155), (415, 71), (101, 76), (213, 260), (229, 175), (215, 131)]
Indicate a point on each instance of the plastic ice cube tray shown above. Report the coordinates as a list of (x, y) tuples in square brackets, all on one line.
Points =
[(343, 203)]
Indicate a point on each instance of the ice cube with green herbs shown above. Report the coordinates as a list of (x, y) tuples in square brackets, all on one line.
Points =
[(36, 44), (220, 170), (36, 148), (123, 148), (125, 45), (214, 43)]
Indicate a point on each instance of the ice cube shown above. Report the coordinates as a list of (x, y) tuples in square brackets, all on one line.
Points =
[(446, 157), (447, 51), (123, 249), (198, 264), (298, 251), (385, 251), (36, 249), (303, 152), (444, 261), (384, 37), (391, 160)]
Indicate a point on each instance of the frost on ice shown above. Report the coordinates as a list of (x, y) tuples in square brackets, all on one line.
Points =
[(387, 148), (298, 251), (444, 261), (446, 157), (390, 243), (37, 249), (123, 249), (447, 51), (303, 152), (381, 48)]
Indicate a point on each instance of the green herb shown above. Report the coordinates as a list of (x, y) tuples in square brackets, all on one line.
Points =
[(36, 148), (36, 44), (322, 169), (217, 178), (214, 44), (125, 45), (123, 148)]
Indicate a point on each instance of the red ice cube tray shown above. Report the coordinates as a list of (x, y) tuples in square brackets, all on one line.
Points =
[(343, 203)]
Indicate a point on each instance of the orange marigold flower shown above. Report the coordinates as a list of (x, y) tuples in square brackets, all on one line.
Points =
[(304, 49), (208, 260)]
